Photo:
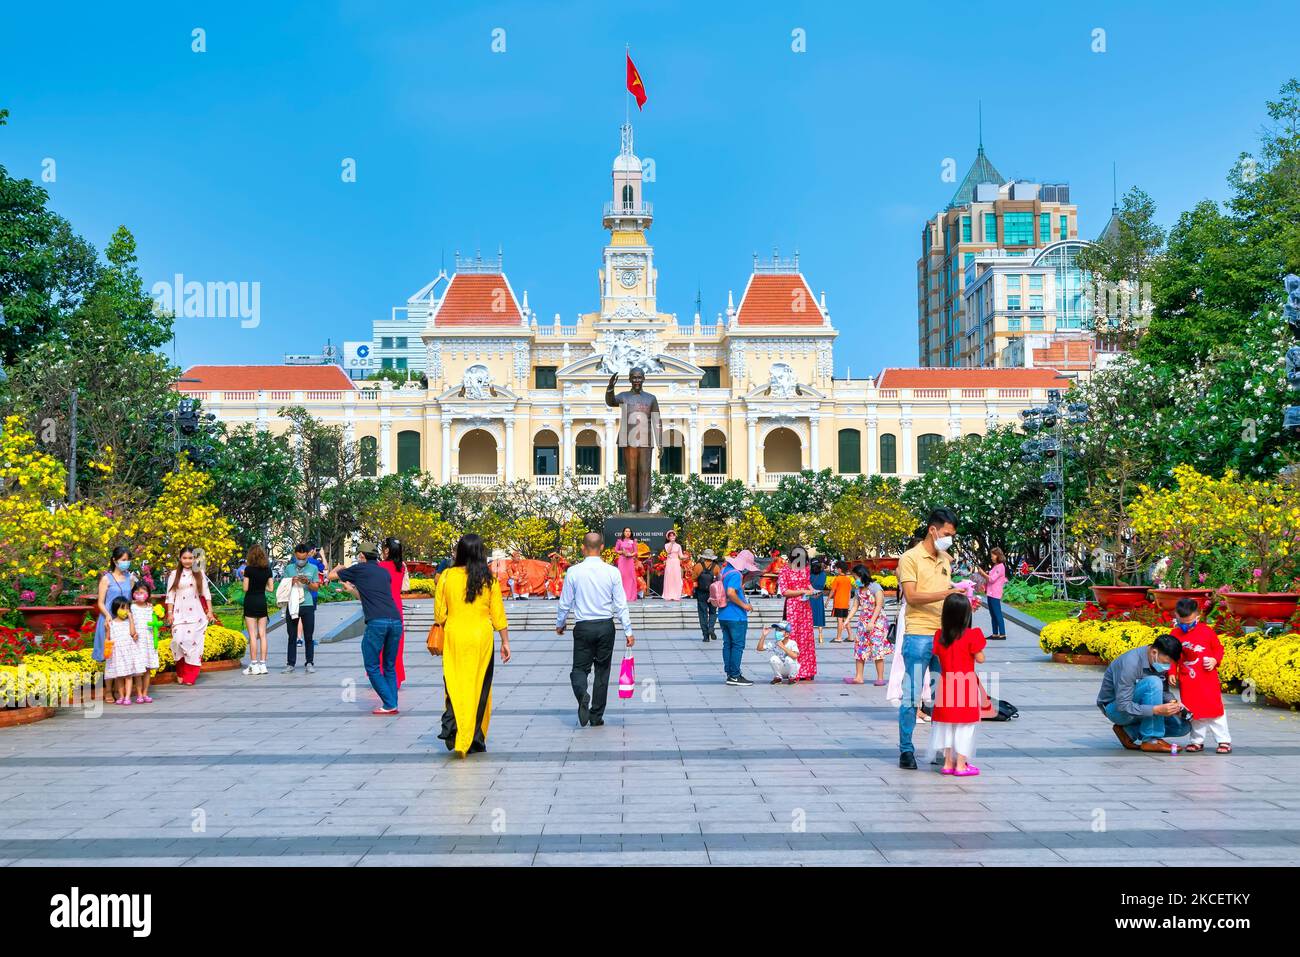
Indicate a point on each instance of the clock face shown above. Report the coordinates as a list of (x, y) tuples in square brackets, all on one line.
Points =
[(628, 278)]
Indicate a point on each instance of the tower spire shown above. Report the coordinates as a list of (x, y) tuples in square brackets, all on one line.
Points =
[(981, 124)]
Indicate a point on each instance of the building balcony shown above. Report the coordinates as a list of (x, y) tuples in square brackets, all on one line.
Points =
[(640, 211)]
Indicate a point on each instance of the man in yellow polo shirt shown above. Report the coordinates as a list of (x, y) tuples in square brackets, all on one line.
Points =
[(925, 578)]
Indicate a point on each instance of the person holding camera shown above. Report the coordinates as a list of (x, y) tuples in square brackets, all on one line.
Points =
[(785, 652)]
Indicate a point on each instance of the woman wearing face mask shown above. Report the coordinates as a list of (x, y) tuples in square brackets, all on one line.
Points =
[(189, 612), (113, 584)]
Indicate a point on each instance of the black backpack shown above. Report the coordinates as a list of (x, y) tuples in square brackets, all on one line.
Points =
[(702, 583), (1006, 711)]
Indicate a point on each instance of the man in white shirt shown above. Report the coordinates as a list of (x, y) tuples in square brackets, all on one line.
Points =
[(593, 590)]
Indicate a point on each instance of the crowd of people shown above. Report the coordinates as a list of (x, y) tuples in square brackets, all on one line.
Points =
[(1167, 689)]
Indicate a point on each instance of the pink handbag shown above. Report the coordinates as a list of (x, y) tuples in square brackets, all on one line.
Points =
[(626, 678)]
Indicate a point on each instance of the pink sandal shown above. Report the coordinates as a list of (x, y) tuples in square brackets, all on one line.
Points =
[(947, 770), (970, 772), (143, 699), (120, 701)]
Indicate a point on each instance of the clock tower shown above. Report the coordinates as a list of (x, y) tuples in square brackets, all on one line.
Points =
[(628, 278)]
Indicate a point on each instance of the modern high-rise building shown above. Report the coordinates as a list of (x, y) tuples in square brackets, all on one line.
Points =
[(997, 281)]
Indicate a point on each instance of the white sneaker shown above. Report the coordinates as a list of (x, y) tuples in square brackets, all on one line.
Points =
[(251, 669), (261, 667)]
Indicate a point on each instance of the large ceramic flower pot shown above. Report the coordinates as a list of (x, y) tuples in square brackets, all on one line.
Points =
[(55, 617), (1167, 598), (1120, 597), (1272, 606)]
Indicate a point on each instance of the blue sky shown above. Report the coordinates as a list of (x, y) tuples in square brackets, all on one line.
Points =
[(226, 164)]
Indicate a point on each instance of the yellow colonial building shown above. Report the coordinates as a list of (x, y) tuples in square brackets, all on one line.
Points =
[(750, 395)]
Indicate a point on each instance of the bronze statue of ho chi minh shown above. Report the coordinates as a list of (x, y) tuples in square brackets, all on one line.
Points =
[(639, 434)]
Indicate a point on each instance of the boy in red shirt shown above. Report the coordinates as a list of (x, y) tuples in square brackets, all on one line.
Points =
[(1197, 677)]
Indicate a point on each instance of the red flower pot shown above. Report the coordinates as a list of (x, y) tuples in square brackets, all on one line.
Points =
[(878, 566), (1273, 606), (1167, 598), (55, 617), (1120, 597)]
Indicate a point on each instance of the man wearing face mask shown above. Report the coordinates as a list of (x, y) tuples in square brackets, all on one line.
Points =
[(925, 577), (1135, 697)]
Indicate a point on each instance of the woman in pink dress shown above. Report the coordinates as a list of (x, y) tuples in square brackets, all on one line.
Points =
[(625, 548), (672, 568), (793, 584), (392, 563), (189, 612)]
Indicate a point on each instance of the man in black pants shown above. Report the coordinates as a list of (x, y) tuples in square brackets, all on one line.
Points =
[(705, 574), (305, 573), (593, 590)]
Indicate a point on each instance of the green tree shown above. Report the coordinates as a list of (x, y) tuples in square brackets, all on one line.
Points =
[(46, 269), (255, 480), (997, 497)]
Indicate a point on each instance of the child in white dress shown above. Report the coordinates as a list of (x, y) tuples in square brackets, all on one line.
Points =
[(129, 651), (142, 616)]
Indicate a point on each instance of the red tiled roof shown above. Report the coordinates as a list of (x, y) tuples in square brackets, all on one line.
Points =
[(252, 378), (969, 379), (478, 299), (778, 299)]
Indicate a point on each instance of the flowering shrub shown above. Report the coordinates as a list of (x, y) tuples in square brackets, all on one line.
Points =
[(1185, 521), (424, 586), (182, 515), (885, 581), (1272, 664), (47, 552), (1274, 667), (48, 678)]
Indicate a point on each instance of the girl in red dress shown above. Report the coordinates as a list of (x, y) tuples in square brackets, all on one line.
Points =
[(1197, 677), (956, 713)]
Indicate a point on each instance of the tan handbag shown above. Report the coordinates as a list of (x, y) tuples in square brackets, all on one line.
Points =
[(437, 633)]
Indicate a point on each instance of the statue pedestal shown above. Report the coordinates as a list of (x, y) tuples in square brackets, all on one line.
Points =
[(648, 527)]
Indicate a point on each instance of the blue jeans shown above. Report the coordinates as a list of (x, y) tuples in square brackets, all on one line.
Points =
[(1149, 690), (733, 645), (995, 612), (380, 643), (918, 654)]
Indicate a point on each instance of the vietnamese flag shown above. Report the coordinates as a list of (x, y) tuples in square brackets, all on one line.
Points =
[(634, 84)]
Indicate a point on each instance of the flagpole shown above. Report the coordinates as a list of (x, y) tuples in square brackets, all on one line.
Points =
[(627, 94)]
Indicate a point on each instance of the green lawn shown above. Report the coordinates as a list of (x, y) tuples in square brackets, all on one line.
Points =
[(1050, 611), (232, 616)]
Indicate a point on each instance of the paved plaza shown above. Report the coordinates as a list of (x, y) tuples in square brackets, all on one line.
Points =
[(286, 770)]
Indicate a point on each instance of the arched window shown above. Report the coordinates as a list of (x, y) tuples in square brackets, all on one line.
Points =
[(627, 196), (926, 445), (889, 454), (408, 451), (672, 456), (850, 451), (369, 456), (546, 453)]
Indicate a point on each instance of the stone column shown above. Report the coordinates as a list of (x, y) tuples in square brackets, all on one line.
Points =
[(510, 449), (385, 445), (609, 454), (814, 442), (693, 442), (906, 452), (566, 444), (873, 443), (751, 463), (446, 449)]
